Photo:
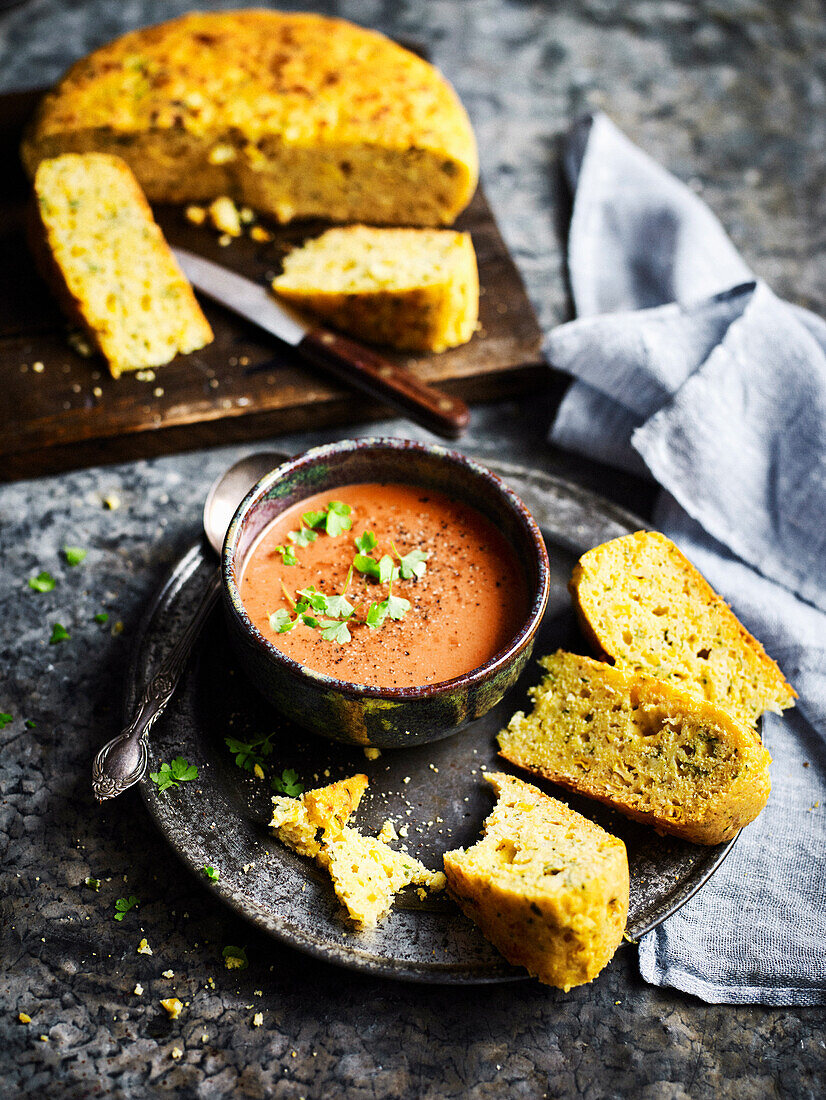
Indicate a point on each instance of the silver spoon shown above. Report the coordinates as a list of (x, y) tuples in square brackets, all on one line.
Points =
[(122, 761)]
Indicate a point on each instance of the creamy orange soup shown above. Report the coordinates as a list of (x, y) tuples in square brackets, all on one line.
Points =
[(469, 602)]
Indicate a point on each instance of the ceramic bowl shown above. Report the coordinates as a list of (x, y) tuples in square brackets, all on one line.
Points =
[(358, 713)]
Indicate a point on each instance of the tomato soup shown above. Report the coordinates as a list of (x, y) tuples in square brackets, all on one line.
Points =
[(431, 589)]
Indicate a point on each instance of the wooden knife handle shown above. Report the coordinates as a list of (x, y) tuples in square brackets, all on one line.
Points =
[(359, 366)]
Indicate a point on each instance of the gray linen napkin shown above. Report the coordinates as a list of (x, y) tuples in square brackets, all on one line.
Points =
[(690, 370)]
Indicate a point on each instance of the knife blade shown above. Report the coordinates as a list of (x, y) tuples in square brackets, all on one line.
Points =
[(346, 359)]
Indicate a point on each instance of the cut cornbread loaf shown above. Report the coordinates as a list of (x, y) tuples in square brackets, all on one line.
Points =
[(299, 822), (414, 289), (367, 874), (105, 257), (653, 752), (297, 115), (645, 606), (547, 887)]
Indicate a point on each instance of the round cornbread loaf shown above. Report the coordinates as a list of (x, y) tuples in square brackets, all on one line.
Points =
[(414, 289), (97, 244), (656, 754), (546, 886), (643, 604), (297, 115)]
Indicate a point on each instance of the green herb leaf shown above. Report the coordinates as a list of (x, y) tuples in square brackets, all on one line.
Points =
[(212, 873), (235, 958), (30, 724), (288, 783), (281, 622), (250, 753), (332, 631), (59, 634), (367, 565), (172, 775), (315, 599), (397, 608), (366, 542), (287, 555), (123, 905), (338, 518), (102, 617), (74, 555), (339, 607), (412, 564), (302, 537), (314, 519), (43, 582), (376, 614), (387, 571), (309, 620), (4, 720)]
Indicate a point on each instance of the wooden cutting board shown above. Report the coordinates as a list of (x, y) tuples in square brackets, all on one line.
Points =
[(61, 410)]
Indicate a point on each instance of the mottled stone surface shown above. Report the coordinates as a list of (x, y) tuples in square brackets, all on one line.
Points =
[(729, 94)]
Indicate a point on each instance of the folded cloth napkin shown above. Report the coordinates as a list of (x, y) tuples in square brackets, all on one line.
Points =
[(690, 370)]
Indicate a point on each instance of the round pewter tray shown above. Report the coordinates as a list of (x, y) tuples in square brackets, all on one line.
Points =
[(435, 793)]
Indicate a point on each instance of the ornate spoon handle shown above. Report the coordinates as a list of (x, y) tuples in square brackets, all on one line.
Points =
[(122, 761)]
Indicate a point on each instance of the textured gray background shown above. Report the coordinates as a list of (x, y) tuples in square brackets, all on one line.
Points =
[(730, 95)]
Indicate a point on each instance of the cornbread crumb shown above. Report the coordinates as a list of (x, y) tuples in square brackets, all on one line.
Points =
[(414, 289), (654, 753), (546, 886), (258, 1019), (258, 771), (138, 990), (224, 215), (388, 832), (372, 753), (260, 234), (173, 1007), (195, 214), (38, 368), (225, 239), (24, 1017), (144, 948), (106, 258), (176, 1053), (168, 974), (644, 604)]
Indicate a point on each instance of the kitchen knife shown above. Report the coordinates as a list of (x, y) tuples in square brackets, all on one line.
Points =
[(348, 361)]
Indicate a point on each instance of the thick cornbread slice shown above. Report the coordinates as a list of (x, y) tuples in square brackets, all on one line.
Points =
[(367, 874), (657, 754), (99, 247), (547, 887), (415, 289), (297, 115), (325, 810), (643, 604)]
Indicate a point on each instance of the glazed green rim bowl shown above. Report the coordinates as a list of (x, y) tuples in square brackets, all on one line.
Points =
[(362, 714)]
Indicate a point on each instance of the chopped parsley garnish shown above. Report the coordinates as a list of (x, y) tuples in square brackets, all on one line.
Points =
[(59, 634), (366, 542), (314, 519), (212, 873), (43, 582), (288, 783), (250, 753), (235, 958), (30, 724), (172, 775), (412, 566), (303, 536), (102, 617), (74, 555), (281, 622), (287, 555), (334, 631), (4, 720), (123, 905), (338, 518)]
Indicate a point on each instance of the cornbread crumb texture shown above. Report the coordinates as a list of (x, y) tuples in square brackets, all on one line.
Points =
[(297, 115), (366, 872), (413, 289), (657, 754), (546, 886), (101, 249), (644, 605)]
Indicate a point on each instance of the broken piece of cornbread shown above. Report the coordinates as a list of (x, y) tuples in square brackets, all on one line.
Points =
[(298, 822)]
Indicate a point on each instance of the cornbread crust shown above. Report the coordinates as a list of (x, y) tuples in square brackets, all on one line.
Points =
[(96, 243), (546, 886), (326, 810), (297, 115), (643, 605), (413, 289), (656, 754)]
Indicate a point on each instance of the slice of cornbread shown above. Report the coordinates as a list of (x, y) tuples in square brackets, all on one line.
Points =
[(367, 874), (547, 887), (656, 754), (297, 115), (298, 822), (643, 604), (414, 289), (99, 247)]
